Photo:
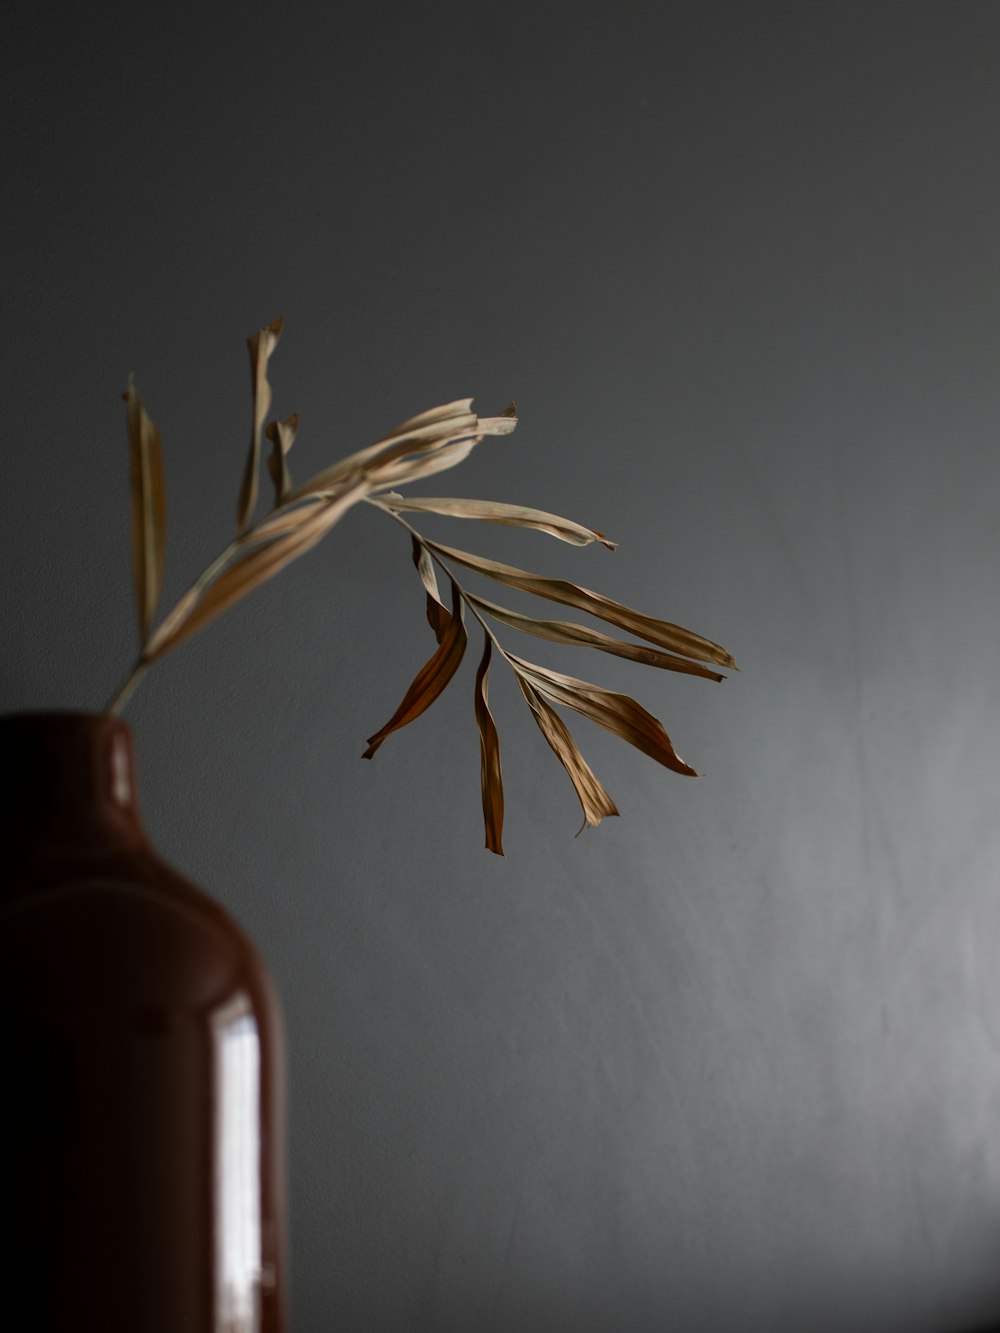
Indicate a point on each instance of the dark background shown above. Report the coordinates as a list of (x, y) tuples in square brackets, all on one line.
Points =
[(731, 1061)]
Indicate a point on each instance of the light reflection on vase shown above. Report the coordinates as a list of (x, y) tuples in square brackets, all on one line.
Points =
[(236, 1060)]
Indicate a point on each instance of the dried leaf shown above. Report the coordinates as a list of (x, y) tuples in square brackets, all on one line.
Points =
[(438, 614), (249, 571), (406, 454), (618, 713), (282, 436), (457, 425), (430, 680), (661, 632), (494, 511), (286, 519), (565, 631), (504, 424), (260, 346), (149, 508), (403, 470), (491, 774), (594, 800), (433, 417)]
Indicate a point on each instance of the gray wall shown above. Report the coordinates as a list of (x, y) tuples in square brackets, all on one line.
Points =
[(731, 1061)]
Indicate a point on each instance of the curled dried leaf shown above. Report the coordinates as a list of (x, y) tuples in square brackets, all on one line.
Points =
[(260, 345), (491, 774), (565, 631), (455, 423), (433, 417), (411, 451), (618, 713), (594, 800), (504, 424), (430, 680), (495, 511), (438, 614), (402, 470), (672, 637), (282, 436), (149, 508), (288, 518)]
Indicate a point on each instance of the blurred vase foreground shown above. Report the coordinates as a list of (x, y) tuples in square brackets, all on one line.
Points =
[(142, 1112)]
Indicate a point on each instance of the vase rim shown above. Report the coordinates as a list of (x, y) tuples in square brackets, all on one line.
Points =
[(67, 777)]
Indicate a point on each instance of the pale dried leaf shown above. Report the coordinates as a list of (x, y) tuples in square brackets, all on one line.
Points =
[(260, 346), (495, 511), (286, 519), (249, 571), (433, 417), (149, 508), (565, 631), (282, 436), (403, 470), (406, 454), (594, 800), (424, 439), (504, 424), (661, 632), (491, 774), (618, 713), (430, 680)]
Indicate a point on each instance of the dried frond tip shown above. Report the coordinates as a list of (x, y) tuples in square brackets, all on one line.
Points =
[(149, 508), (260, 345), (491, 773), (430, 680)]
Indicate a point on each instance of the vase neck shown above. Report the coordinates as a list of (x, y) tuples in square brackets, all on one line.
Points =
[(67, 782)]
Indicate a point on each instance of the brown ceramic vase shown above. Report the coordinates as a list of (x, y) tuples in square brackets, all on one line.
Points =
[(142, 1092)]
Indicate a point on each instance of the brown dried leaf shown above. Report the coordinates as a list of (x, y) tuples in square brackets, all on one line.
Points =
[(662, 632), (260, 346), (491, 774), (430, 680), (594, 800), (282, 436), (618, 713), (565, 631), (438, 614), (495, 511), (149, 508), (248, 571)]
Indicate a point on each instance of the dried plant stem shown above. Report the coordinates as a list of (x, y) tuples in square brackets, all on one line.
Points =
[(124, 692), (142, 663)]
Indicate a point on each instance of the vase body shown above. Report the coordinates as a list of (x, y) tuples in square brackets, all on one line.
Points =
[(142, 1093)]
